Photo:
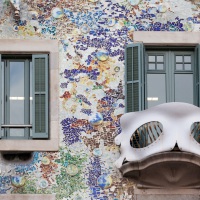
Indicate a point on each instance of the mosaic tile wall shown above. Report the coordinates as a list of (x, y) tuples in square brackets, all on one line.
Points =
[(92, 36)]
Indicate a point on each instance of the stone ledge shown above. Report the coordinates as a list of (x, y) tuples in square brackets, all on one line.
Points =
[(28, 196), (167, 38)]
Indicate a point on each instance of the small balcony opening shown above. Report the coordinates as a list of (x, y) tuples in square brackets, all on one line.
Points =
[(146, 134)]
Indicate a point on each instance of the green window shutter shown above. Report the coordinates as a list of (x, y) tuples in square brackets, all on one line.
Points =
[(197, 75), (134, 77), (40, 96), (0, 96)]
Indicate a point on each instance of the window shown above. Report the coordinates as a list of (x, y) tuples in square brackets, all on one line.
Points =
[(32, 66), (24, 96), (156, 75), (169, 77)]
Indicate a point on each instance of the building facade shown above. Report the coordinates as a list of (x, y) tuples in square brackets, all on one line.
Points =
[(89, 38)]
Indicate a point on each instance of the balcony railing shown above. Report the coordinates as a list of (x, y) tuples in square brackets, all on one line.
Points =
[(146, 134)]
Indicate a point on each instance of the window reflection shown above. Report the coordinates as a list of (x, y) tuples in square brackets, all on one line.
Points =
[(16, 93), (2, 96), (184, 88), (156, 92)]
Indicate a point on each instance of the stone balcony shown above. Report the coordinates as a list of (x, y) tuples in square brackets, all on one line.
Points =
[(160, 146)]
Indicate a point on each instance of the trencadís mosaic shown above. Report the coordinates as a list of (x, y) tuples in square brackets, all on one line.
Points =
[(92, 35)]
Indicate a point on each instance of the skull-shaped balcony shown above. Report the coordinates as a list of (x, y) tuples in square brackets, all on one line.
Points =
[(160, 146)]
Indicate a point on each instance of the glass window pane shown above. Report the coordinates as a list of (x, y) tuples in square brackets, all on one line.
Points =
[(2, 132), (152, 66), (184, 88), (188, 66), (16, 93), (16, 132), (187, 58), (160, 59), (2, 95), (156, 90), (179, 58), (152, 58), (179, 66), (31, 132), (197, 76), (160, 66)]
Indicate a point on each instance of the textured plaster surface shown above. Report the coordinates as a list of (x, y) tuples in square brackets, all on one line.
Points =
[(92, 35)]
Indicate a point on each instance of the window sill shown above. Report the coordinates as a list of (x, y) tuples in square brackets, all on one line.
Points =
[(51, 144), (29, 145), (167, 38), (28, 196)]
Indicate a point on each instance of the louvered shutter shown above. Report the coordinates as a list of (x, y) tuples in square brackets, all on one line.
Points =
[(197, 75), (134, 70), (1, 96), (40, 96)]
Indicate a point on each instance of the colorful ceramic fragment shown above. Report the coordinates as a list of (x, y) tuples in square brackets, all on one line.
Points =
[(117, 69), (72, 170), (96, 119), (45, 161), (102, 55), (134, 2), (43, 183), (97, 152), (57, 13), (78, 198), (111, 22), (152, 10), (85, 28), (33, 15), (162, 8), (18, 181), (93, 1), (15, 28), (189, 26), (104, 181), (66, 42)]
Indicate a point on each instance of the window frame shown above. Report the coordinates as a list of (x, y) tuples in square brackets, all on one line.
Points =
[(17, 46), (6, 92), (169, 69), (161, 40)]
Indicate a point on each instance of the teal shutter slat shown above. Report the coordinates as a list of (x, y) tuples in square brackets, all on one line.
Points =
[(198, 72), (0, 97), (40, 96), (129, 95), (134, 70), (136, 97), (197, 75)]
